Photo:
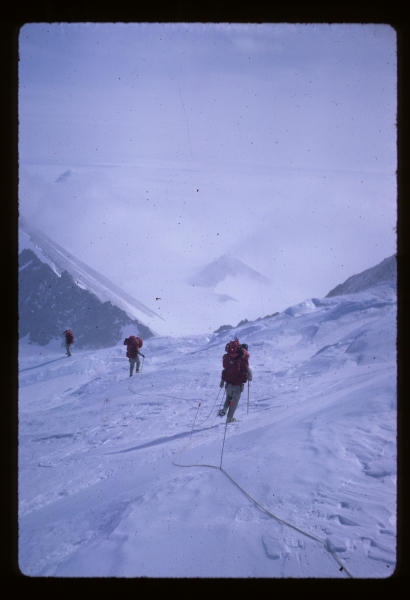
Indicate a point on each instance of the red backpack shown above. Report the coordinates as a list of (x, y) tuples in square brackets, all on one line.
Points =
[(235, 363), (133, 343), (233, 348), (69, 336)]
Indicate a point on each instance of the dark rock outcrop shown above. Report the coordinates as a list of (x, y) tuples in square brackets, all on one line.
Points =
[(48, 304)]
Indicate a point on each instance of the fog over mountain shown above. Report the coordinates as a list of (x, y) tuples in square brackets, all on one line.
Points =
[(52, 299), (221, 268), (383, 273), (155, 153)]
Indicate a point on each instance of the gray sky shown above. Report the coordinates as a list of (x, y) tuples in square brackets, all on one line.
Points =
[(276, 143), (321, 96)]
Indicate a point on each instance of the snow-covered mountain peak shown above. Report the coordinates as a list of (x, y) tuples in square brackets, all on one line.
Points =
[(221, 268), (64, 176)]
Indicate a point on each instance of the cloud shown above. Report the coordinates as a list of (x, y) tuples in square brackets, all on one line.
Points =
[(276, 143)]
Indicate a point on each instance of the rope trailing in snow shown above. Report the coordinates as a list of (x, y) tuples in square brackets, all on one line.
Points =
[(310, 535), (223, 395), (178, 398), (194, 420), (158, 394), (186, 400)]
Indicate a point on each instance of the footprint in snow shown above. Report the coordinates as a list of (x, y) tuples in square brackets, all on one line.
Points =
[(376, 472), (336, 544), (274, 549), (342, 520), (105, 411)]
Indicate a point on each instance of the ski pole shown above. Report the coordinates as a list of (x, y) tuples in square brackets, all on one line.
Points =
[(194, 420), (247, 411), (223, 396)]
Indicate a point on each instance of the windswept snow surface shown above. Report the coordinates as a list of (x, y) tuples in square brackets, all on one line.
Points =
[(99, 494)]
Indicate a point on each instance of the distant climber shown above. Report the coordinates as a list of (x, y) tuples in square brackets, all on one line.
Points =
[(69, 339), (236, 372), (134, 344)]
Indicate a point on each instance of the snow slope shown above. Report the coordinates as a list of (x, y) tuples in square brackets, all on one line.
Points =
[(49, 304), (111, 483), (384, 272)]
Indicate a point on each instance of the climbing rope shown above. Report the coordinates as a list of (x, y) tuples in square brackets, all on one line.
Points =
[(196, 414), (165, 396), (223, 395), (305, 533), (311, 536)]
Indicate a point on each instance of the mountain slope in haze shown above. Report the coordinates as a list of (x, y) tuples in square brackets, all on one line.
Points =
[(97, 284), (64, 176), (384, 272), (221, 268), (49, 304)]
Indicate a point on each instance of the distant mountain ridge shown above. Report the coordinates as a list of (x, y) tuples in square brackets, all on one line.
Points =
[(64, 176), (95, 282), (48, 304), (384, 272), (221, 268)]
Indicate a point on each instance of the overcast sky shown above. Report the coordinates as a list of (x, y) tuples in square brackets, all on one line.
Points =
[(320, 96), (276, 143)]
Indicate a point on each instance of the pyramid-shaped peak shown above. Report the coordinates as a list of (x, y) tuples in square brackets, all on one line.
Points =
[(221, 268), (64, 176)]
